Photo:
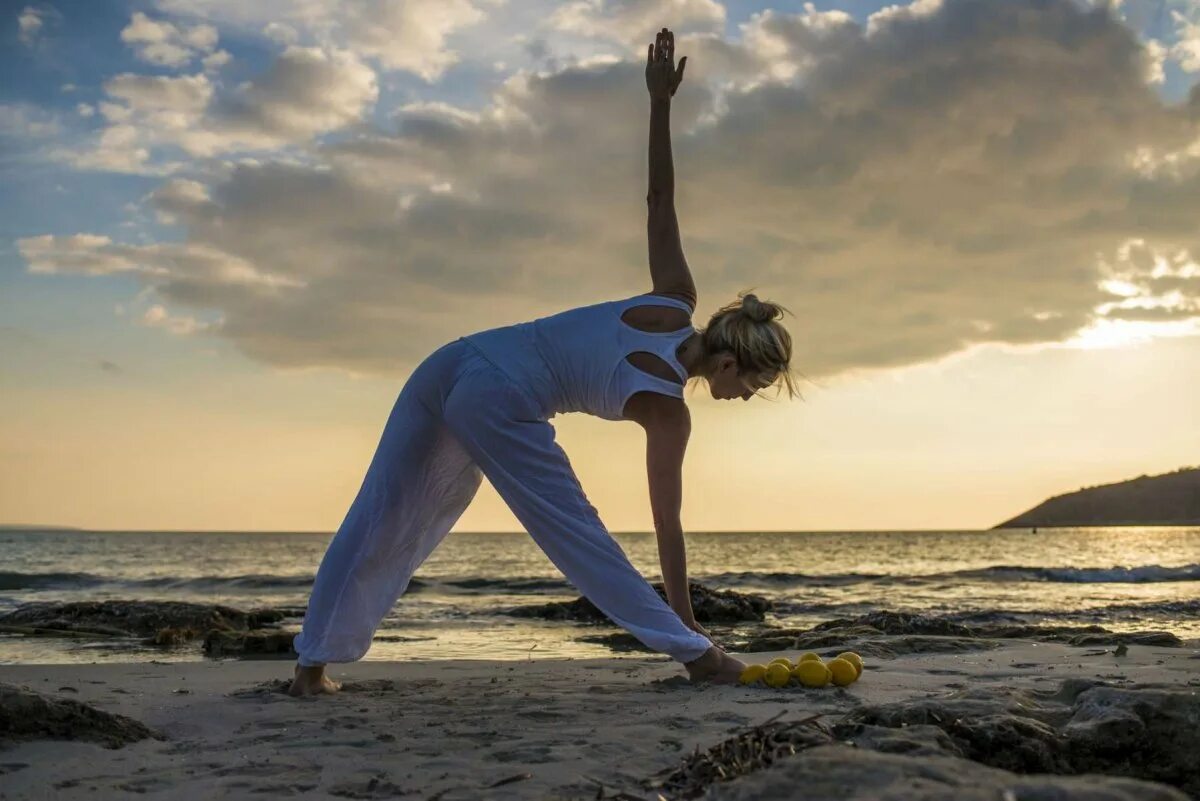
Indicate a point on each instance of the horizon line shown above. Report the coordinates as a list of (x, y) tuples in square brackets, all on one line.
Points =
[(39, 528)]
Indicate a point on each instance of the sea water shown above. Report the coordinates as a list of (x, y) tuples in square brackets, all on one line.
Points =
[(1128, 578)]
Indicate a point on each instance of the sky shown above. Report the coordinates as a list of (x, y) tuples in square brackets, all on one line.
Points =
[(229, 231)]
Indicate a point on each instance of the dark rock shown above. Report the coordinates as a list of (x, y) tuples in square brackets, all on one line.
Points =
[(859, 774), (1082, 728), (920, 644), (621, 642), (916, 633), (172, 636), (769, 639), (911, 740), (885, 622), (268, 644), (709, 606), (1004, 729), (28, 715), (975, 744), (1077, 635), (1124, 639), (142, 618), (865, 640), (1151, 734), (830, 638), (842, 631)]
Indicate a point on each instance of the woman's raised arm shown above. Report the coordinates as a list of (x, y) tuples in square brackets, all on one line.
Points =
[(668, 268)]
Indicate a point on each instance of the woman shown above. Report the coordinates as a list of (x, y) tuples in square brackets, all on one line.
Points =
[(481, 405)]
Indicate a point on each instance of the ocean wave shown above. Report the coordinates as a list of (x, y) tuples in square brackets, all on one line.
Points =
[(756, 578), (998, 573), (1082, 575), (40, 581), (1148, 610), (484, 585), (252, 581), (514, 585), (265, 582), (1156, 613), (10, 580)]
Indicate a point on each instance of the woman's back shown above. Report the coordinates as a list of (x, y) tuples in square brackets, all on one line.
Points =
[(577, 360)]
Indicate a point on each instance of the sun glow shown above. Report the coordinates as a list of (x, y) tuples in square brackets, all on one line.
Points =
[(1124, 333)]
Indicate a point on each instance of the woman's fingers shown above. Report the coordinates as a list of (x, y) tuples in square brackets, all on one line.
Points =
[(663, 50)]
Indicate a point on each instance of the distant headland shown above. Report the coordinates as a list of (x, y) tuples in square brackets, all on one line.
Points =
[(1170, 499)]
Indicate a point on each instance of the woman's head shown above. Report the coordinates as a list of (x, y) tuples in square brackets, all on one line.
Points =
[(747, 349)]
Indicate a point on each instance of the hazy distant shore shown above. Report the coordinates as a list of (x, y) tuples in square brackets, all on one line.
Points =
[(1169, 499), (565, 728)]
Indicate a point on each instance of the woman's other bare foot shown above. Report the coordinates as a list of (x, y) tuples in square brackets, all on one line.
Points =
[(715, 666), (312, 681)]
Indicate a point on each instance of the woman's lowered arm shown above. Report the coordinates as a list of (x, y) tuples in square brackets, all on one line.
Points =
[(668, 269), (667, 433)]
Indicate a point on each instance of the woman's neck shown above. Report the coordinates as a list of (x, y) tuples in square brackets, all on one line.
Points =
[(691, 355)]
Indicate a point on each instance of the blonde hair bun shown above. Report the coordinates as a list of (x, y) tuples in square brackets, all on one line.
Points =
[(749, 329), (759, 311)]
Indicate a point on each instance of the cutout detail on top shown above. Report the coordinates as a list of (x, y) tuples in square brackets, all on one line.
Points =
[(663, 324), (653, 365)]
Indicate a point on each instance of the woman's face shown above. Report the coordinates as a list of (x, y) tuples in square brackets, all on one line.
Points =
[(728, 383)]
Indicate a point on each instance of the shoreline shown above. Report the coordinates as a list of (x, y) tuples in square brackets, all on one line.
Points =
[(454, 729)]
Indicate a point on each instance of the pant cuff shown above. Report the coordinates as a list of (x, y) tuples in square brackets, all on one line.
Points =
[(685, 656)]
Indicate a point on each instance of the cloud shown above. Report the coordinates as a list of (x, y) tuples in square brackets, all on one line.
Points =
[(1186, 49), (79, 253), (1150, 285), (215, 60), (634, 22), (165, 44), (908, 188), (280, 33), (408, 35), (24, 122), (188, 94), (892, 15), (30, 23), (305, 93), (157, 316)]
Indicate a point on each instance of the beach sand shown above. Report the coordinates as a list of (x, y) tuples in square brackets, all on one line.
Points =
[(458, 729)]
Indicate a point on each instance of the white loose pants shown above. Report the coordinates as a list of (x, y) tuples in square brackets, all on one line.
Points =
[(459, 417)]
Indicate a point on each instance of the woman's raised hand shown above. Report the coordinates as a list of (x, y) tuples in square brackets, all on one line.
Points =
[(662, 78)]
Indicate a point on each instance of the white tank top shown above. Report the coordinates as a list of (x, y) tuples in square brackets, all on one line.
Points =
[(574, 361)]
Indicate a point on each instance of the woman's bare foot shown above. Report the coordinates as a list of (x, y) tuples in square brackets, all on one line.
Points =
[(715, 666), (312, 681)]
